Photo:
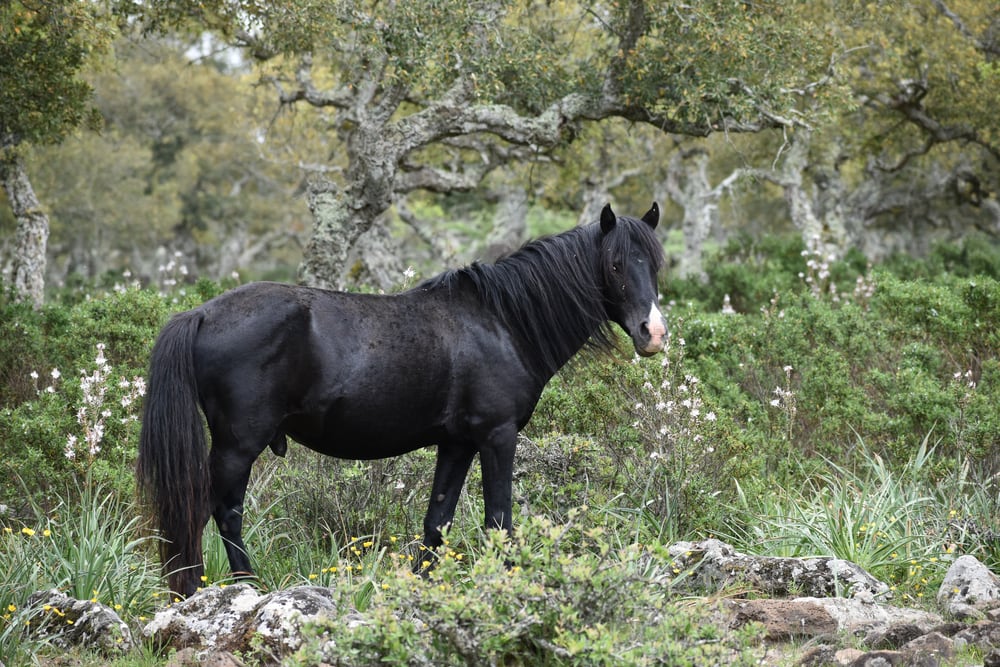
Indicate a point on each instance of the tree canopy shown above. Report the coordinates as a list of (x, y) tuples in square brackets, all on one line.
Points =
[(867, 123), (43, 48), (434, 94)]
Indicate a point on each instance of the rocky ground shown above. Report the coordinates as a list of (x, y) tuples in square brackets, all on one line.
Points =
[(812, 612)]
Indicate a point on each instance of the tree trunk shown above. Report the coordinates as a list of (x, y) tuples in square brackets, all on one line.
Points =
[(341, 217), (32, 235), (374, 260), (687, 184), (510, 223), (336, 228)]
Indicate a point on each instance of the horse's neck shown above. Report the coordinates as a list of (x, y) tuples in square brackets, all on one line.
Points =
[(560, 340)]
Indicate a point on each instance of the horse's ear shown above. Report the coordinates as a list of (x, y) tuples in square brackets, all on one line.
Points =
[(652, 216), (608, 219)]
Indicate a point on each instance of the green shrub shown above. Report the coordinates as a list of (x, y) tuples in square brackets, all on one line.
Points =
[(556, 594), (46, 355)]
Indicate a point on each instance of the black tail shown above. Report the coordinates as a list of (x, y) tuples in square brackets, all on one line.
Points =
[(172, 467)]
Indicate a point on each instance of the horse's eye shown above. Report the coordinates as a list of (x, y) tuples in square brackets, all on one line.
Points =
[(614, 267)]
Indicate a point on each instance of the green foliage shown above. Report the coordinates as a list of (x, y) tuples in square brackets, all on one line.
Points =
[(174, 169), (729, 56), (806, 373), (904, 523), (552, 595), (89, 546), (49, 354), (43, 49), (856, 424)]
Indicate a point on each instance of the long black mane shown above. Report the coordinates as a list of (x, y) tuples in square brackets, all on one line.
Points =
[(549, 291)]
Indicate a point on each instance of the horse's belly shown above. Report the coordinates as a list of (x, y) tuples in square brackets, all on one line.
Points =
[(370, 436)]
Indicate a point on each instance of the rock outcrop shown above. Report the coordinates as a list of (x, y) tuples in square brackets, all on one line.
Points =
[(822, 600), (240, 618), (66, 622)]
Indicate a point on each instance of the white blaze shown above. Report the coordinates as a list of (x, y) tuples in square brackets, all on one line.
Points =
[(657, 329)]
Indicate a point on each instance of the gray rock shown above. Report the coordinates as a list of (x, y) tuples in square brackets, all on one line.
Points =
[(784, 619), (984, 635), (190, 657), (870, 619), (239, 618), (714, 564), (66, 623), (823, 617), (933, 645), (969, 589), (211, 618)]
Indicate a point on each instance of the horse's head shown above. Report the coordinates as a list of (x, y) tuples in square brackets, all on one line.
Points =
[(631, 256)]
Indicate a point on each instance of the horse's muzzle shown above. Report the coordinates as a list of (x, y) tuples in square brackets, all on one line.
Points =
[(652, 334)]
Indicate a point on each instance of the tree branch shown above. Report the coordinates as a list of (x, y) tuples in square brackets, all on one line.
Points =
[(959, 24), (908, 101), (306, 91)]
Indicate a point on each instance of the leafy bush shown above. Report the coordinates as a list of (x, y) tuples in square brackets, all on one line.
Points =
[(552, 595), (799, 419)]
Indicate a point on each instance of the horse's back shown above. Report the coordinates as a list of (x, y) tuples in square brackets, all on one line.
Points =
[(359, 376)]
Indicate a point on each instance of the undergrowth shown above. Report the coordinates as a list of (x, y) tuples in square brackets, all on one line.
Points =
[(789, 419)]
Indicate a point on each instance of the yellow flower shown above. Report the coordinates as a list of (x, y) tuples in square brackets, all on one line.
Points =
[(11, 608), (367, 545), (46, 532), (203, 578), (312, 575), (27, 531)]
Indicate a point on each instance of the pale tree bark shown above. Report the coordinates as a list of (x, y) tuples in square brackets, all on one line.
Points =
[(597, 191), (375, 260), (688, 185), (32, 234), (820, 219), (890, 209), (607, 174), (510, 223)]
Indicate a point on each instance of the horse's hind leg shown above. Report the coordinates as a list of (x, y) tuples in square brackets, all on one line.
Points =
[(230, 468), (230, 476)]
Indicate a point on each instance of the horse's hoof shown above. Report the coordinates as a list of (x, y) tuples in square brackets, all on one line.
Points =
[(425, 563)]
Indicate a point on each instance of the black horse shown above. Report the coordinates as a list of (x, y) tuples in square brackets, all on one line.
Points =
[(458, 361)]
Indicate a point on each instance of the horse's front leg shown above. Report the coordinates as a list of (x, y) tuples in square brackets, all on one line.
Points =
[(496, 456), (449, 476)]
